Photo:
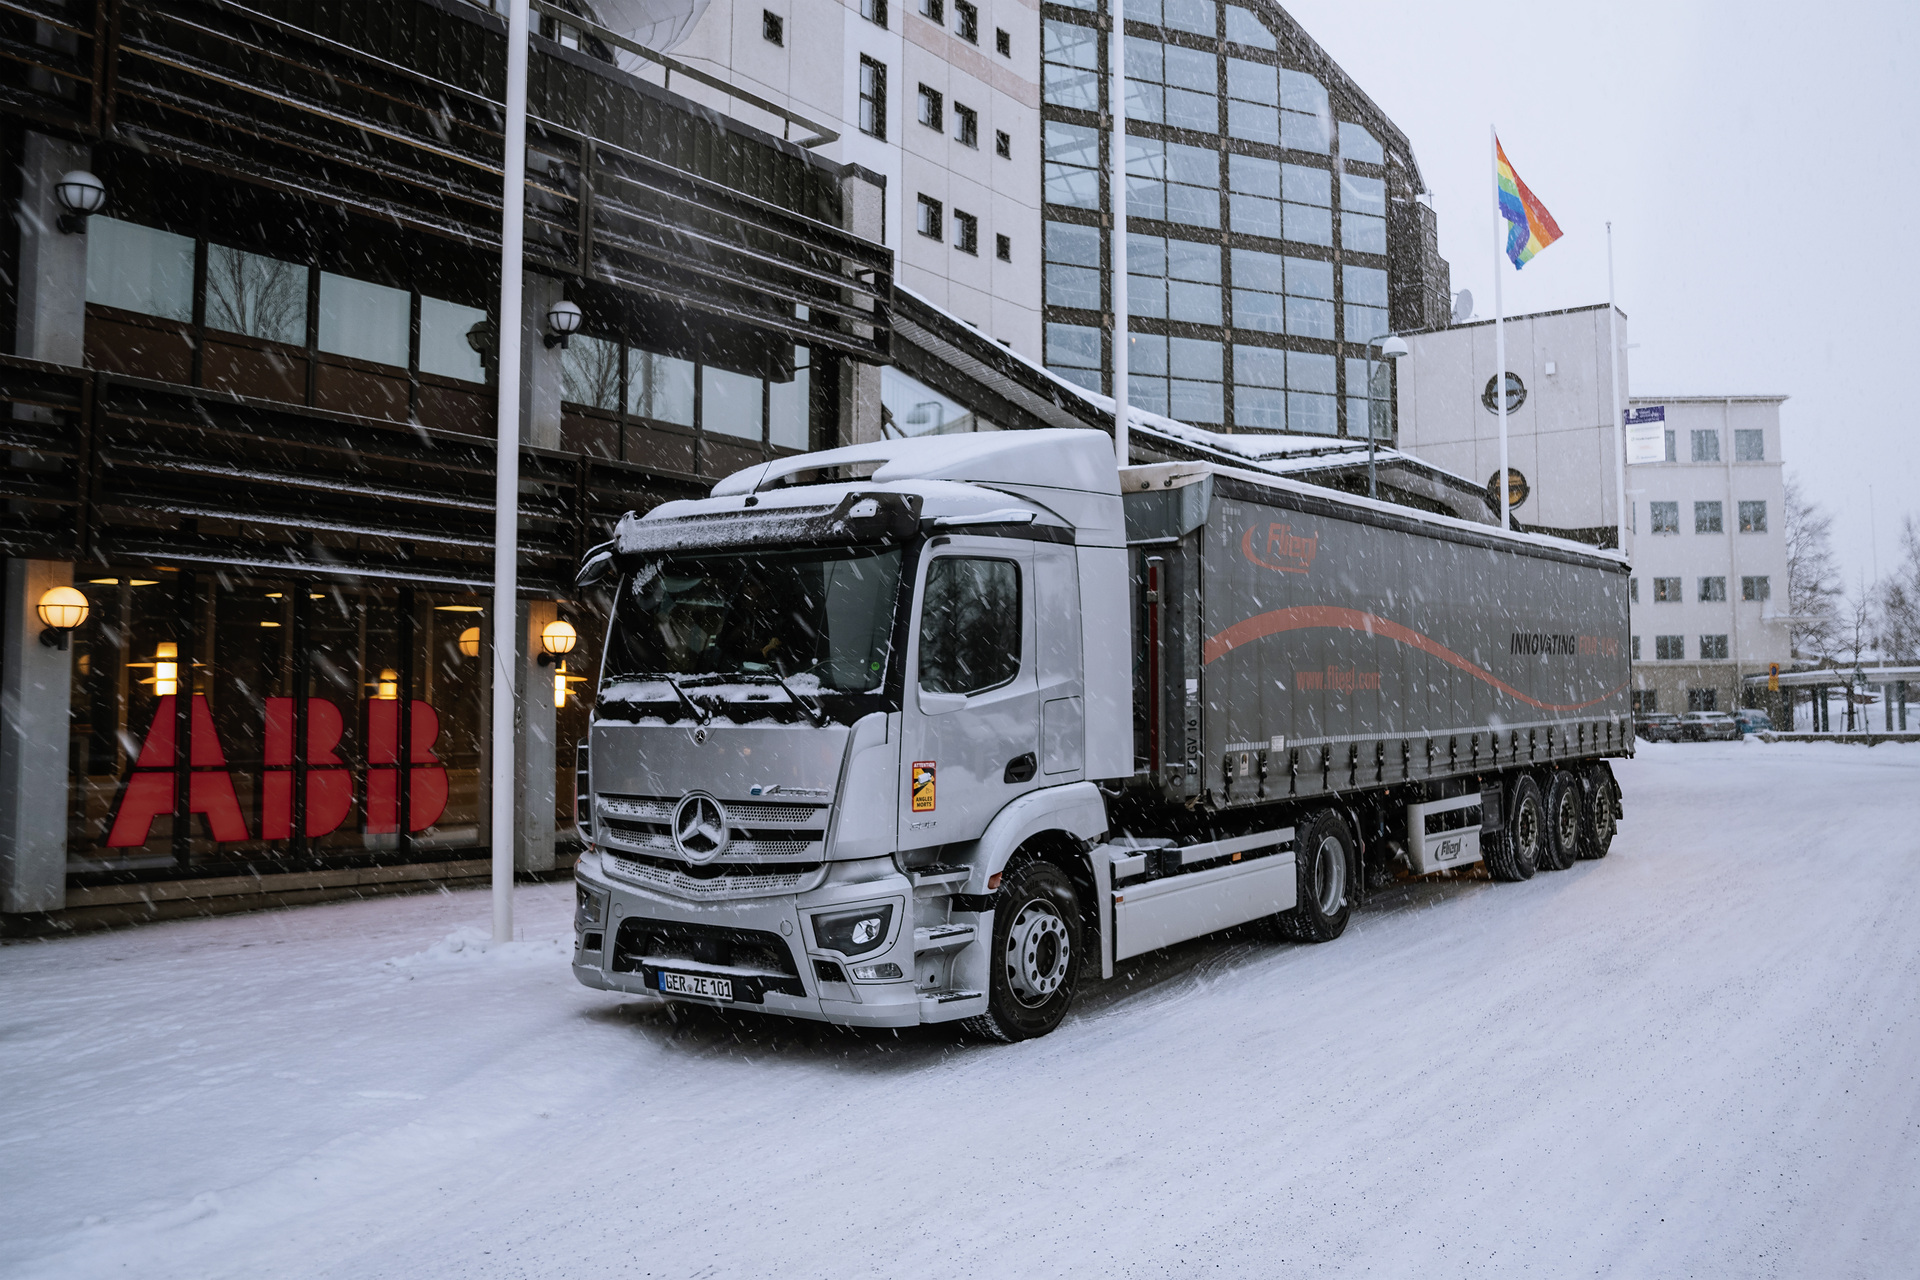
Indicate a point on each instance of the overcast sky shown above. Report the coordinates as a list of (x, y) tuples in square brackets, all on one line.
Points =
[(1761, 166)]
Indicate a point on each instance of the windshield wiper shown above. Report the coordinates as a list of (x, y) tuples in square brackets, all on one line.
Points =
[(700, 713), (814, 712)]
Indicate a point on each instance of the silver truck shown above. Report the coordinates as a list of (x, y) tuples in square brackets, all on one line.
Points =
[(934, 730)]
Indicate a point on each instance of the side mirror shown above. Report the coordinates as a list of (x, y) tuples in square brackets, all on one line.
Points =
[(596, 566), (938, 704)]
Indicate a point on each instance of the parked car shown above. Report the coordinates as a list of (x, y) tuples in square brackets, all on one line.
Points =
[(1708, 726), (1658, 726), (1753, 720)]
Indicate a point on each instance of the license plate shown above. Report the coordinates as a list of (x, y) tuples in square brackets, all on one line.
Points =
[(696, 984)]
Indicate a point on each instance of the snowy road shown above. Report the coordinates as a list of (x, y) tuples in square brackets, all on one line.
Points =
[(1699, 1057)]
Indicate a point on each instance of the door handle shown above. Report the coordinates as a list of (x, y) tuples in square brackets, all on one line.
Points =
[(1020, 768)]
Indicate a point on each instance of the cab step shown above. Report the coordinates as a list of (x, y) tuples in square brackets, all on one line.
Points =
[(951, 1005), (942, 937)]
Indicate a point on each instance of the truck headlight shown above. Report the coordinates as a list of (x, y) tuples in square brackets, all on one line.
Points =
[(853, 933), (589, 907)]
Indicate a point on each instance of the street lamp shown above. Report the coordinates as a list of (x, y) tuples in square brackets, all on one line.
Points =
[(563, 321), (61, 609), (82, 195), (1392, 347)]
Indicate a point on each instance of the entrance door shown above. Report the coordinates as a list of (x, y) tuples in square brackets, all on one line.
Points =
[(971, 731)]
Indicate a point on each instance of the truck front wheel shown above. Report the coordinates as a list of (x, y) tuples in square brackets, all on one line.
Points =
[(1035, 959), (1566, 819), (1514, 853), (1322, 855)]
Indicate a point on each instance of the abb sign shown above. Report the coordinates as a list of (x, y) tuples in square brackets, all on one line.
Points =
[(330, 789)]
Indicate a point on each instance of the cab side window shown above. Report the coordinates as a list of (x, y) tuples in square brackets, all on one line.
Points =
[(969, 625)]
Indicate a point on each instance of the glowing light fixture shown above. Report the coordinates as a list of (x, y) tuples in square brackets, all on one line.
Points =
[(387, 688), (61, 610), (558, 639), (470, 642), (562, 685), (166, 669), (459, 608)]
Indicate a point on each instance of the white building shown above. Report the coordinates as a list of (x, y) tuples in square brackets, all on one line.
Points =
[(1709, 588)]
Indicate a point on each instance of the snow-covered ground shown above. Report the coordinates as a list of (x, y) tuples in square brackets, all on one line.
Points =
[(1698, 1057)]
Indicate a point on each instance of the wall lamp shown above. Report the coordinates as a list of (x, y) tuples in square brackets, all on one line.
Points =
[(563, 321), (61, 610), (480, 338), (82, 195), (558, 639)]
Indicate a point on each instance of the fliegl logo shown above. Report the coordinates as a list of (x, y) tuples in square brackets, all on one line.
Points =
[(1277, 547)]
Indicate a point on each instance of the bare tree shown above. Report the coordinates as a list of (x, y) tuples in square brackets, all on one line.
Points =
[(1854, 638), (1813, 576), (1897, 602)]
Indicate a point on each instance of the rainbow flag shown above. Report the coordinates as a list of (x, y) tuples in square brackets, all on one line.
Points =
[(1533, 227)]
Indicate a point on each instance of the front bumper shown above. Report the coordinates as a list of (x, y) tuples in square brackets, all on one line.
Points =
[(766, 948)]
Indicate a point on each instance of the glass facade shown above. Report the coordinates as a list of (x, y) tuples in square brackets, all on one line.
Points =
[(1257, 253)]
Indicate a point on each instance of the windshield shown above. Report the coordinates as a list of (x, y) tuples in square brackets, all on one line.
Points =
[(821, 619)]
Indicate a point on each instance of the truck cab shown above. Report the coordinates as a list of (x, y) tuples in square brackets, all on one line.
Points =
[(836, 698)]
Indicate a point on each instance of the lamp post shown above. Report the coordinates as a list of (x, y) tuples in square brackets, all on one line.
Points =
[(1392, 347)]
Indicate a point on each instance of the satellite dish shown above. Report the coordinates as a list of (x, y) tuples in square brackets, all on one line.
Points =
[(1463, 306), (661, 25)]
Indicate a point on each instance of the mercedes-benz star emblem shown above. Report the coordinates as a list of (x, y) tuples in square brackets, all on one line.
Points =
[(699, 827)]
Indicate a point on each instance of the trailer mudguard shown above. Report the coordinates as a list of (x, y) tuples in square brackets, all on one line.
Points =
[(1076, 808)]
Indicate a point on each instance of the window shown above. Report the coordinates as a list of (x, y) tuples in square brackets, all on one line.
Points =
[(1253, 101), (1663, 517), (909, 407), (1073, 352), (773, 28), (1706, 446), (969, 625), (1178, 377), (1756, 588), (1073, 266), (1260, 374), (1171, 84), (590, 373), (966, 233), (660, 387), (1633, 590), (1365, 309), (258, 296), (929, 217), (1003, 248), (933, 9), (1172, 182), (1304, 113), (874, 11), (1363, 213), (1003, 144), (730, 403), (365, 321), (1070, 65), (1070, 173), (789, 405), (1713, 590), (1749, 445), (1753, 517), (142, 269), (1635, 648), (1003, 42), (1358, 144), (1703, 699), (1669, 648), (1253, 196), (1646, 701), (1244, 28), (1173, 279), (1671, 455), (932, 114), (1666, 591), (1706, 517), (1259, 279), (444, 349), (966, 126), (1713, 649), (966, 21), (873, 98)]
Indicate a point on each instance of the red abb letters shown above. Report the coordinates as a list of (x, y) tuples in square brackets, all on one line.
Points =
[(329, 785), (427, 797), (150, 790)]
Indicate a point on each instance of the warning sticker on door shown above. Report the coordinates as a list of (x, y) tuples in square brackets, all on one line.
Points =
[(923, 786)]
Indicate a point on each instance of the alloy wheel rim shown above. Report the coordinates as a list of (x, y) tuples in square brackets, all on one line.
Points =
[(1329, 875), (1038, 953)]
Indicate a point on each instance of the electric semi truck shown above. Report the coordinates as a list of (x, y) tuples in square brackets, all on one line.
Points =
[(938, 729)]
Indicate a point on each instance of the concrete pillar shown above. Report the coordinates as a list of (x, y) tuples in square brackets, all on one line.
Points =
[(536, 759), (540, 365), (52, 316), (36, 690)]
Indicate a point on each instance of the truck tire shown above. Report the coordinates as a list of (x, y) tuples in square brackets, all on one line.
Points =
[(1601, 823), (1322, 861), (1034, 963), (1566, 821), (1514, 853)]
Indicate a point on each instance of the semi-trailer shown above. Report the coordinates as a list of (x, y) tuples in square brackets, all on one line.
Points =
[(936, 730)]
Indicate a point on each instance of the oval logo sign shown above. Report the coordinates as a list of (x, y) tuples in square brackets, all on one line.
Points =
[(700, 827)]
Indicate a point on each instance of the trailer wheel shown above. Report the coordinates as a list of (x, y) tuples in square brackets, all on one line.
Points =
[(1601, 824), (1514, 854), (1323, 853), (1566, 822), (1034, 964)]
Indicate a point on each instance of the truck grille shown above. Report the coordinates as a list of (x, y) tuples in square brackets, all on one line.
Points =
[(759, 831), (715, 881), (643, 944)]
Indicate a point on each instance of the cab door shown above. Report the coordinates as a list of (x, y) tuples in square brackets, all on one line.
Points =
[(970, 723)]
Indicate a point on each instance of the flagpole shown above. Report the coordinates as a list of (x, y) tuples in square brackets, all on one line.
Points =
[(506, 493), (1500, 338), (1619, 423), (1117, 80)]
